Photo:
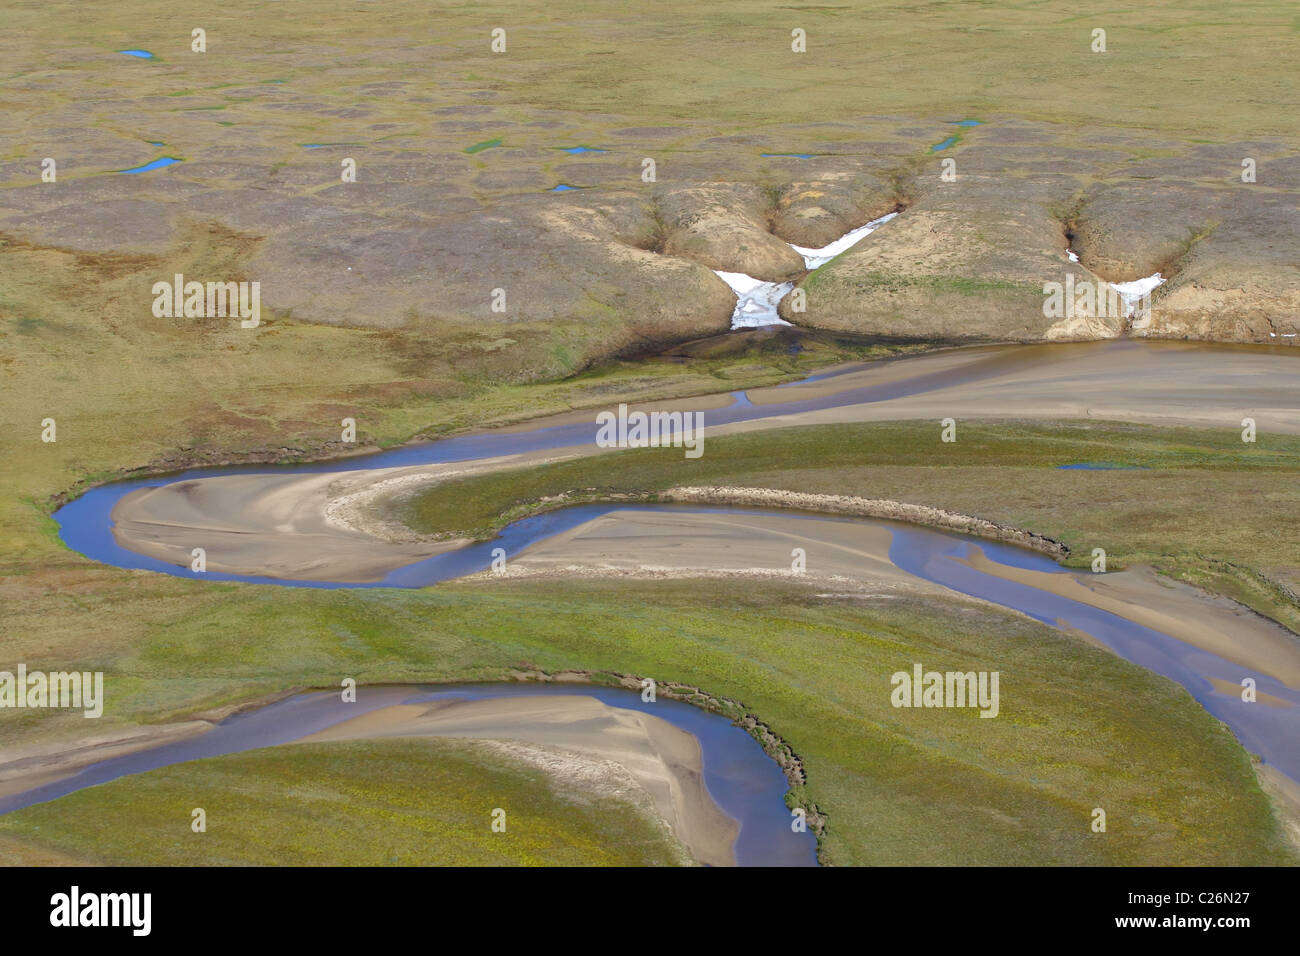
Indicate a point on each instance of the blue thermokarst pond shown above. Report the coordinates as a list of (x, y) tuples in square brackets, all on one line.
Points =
[(1100, 466), (142, 54), (156, 164), (953, 139)]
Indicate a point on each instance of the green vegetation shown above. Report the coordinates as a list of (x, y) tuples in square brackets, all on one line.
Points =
[(938, 284), (77, 343), (420, 802), (1170, 513), (1078, 728), (732, 65)]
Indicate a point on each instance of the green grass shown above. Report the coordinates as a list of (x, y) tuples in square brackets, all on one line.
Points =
[(1078, 728), (131, 393), (938, 284), (423, 802), (825, 454), (1205, 507), (731, 65)]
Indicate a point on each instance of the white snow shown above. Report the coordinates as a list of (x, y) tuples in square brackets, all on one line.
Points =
[(815, 258), (1132, 293), (756, 300)]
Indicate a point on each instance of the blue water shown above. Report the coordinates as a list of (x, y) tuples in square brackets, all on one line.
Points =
[(87, 529), (578, 150), (1271, 732), (156, 164), (788, 155), (1100, 466), (157, 144), (85, 523), (819, 377), (742, 780), (141, 54), (967, 122), (563, 188), (944, 145), (85, 526)]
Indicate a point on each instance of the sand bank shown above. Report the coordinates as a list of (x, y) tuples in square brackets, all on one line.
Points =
[(1124, 381), (336, 526), (1203, 620), (27, 767), (331, 526), (668, 543), (663, 760)]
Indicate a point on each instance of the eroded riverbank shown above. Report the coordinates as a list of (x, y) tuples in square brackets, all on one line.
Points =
[(707, 778)]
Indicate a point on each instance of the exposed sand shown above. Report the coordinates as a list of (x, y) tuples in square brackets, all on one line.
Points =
[(1124, 381), (664, 542), (331, 527), (1202, 620), (663, 760), (1186, 383), (576, 739), (676, 543), (26, 768), (1229, 689), (858, 507), (304, 527)]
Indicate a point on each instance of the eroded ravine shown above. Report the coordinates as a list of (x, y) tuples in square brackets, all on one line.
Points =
[(1134, 295), (757, 301)]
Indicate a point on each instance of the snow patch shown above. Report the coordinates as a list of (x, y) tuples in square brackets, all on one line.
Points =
[(757, 301)]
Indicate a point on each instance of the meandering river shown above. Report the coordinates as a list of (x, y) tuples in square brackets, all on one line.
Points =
[(1270, 731), (742, 780)]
